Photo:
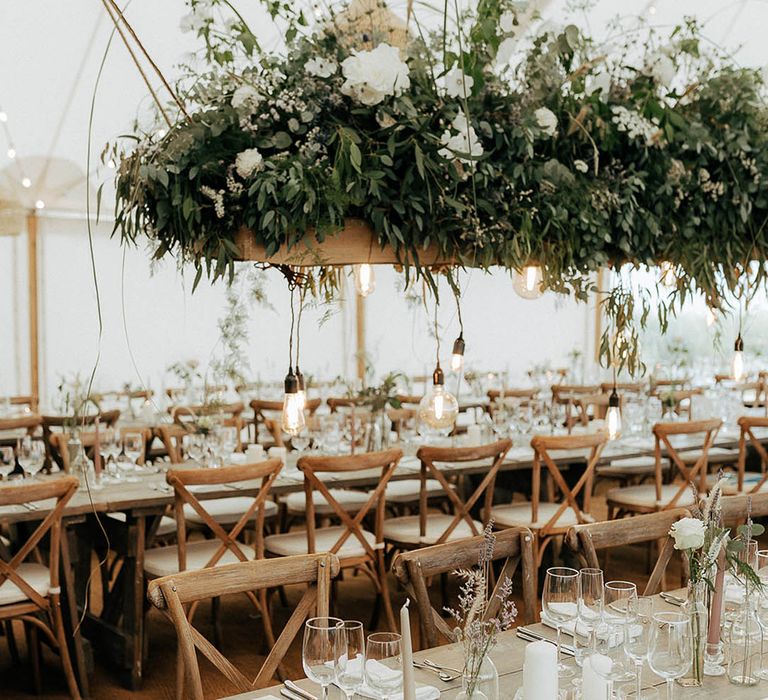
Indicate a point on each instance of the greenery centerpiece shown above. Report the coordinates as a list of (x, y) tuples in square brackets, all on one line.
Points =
[(496, 139)]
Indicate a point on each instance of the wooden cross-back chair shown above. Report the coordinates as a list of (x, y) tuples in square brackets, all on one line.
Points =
[(12, 428), (551, 519), (566, 395), (414, 531), (225, 547), (28, 401), (355, 546), (29, 589), (230, 414), (60, 443), (335, 403), (736, 508), (413, 569), (585, 541), (268, 413), (747, 425), (623, 387), (651, 498), (172, 436), (499, 399), (171, 594)]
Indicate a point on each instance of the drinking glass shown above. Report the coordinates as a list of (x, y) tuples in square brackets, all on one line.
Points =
[(384, 678), (637, 636), (670, 651), (193, 447), (7, 462), (591, 602), (350, 666), (321, 649), (617, 597), (133, 447), (111, 447), (560, 601), (31, 456)]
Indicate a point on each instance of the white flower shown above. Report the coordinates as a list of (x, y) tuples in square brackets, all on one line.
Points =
[(580, 165), (457, 84), (247, 162), (505, 51), (320, 67), (688, 533), (245, 98), (197, 19), (601, 82), (636, 125), (546, 120), (464, 142), (507, 22), (661, 67), (373, 75)]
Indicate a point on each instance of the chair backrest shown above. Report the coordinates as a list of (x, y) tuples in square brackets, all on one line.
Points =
[(59, 444), (386, 460), (29, 401), (172, 593), (736, 508), (544, 446), (560, 392), (496, 394), (335, 403), (585, 541), (172, 437), (623, 387), (30, 423), (431, 457), (660, 385), (747, 424), (398, 416), (230, 415), (61, 489), (409, 399), (413, 568), (663, 433), (183, 479)]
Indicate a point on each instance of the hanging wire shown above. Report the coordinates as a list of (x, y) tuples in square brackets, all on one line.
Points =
[(302, 294), (290, 340), (437, 335)]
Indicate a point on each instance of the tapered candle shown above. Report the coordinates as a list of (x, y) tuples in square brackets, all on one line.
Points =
[(716, 608), (406, 652), (96, 449), (540, 671)]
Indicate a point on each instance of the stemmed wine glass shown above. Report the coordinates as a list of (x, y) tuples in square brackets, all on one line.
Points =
[(133, 447), (560, 601), (637, 637), (321, 649), (385, 678), (670, 650), (111, 447), (31, 456), (618, 597), (591, 602), (7, 462), (350, 665)]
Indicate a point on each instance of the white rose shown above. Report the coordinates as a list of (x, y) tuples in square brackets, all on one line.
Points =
[(507, 22), (661, 67), (505, 51), (370, 76), (546, 120), (457, 84), (245, 98), (688, 533), (580, 165), (320, 67), (247, 162)]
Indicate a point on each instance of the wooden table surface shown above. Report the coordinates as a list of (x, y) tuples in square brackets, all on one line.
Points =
[(508, 656)]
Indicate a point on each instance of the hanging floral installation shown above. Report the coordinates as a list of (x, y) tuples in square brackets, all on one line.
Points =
[(498, 140)]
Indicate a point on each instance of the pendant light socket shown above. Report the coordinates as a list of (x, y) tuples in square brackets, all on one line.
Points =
[(613, 399), (438, 378), (291, 383), (459, 345), (738, 346)]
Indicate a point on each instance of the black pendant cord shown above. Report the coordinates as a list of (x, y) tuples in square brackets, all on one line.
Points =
[(437, 336), (302, 293), (290, 340)]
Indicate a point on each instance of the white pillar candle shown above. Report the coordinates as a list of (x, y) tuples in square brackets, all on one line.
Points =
[(406, 652), (540, 671), (473, 435), (593, 685)]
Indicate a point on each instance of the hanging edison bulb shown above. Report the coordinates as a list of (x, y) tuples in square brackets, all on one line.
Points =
[(613, 416), (439, 408), (738, 370), (457, 357), (527, 282), (293, 416), (302, 400), (365, 279)]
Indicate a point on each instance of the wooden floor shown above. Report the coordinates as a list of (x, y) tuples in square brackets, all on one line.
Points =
[(242, 641)]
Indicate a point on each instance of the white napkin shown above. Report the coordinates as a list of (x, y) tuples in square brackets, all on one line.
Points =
[(583, 631), (205, 488), (423, 692)]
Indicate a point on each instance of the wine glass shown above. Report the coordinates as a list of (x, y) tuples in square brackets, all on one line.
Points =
[(591, 602), (384, 678), (133, 447), (228, 441), (321, 649), (350, 666), (560, 601), (637, 636), (617, 598), (670, 651), (111, 447), (193, 447), (7, 462), (31, 456)]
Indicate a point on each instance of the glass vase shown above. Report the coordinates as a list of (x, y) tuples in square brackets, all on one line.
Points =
[(482, 686), (697, 609), (745, 643)]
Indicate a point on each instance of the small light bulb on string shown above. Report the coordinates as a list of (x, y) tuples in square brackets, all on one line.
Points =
[(613, 415), (457, 357), (738, 370), (438, 408), (527, 282), (39, 204), (26, 182), (292, 418), (11, 152), (365, 279)]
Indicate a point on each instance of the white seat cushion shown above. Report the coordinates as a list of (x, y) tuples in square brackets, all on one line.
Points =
[(226, 511), (645, 496), (36, 575), (406, 529), (519, 515), (634, 465), (351, 501), (408, 490), (296, 543), (166, 527), (164, 561), (751, 479), (715, 455)]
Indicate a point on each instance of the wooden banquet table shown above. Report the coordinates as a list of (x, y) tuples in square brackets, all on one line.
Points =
[(508, 656), (118, 630)]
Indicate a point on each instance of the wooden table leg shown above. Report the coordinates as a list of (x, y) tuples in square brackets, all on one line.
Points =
[(70, 615), (133, 620)]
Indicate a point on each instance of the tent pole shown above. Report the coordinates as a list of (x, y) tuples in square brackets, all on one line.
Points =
[(34, 350)]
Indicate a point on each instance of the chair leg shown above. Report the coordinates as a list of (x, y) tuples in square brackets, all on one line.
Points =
[(33, 652), (216, 621), (384, 584), (13, 648), (66, 661)]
